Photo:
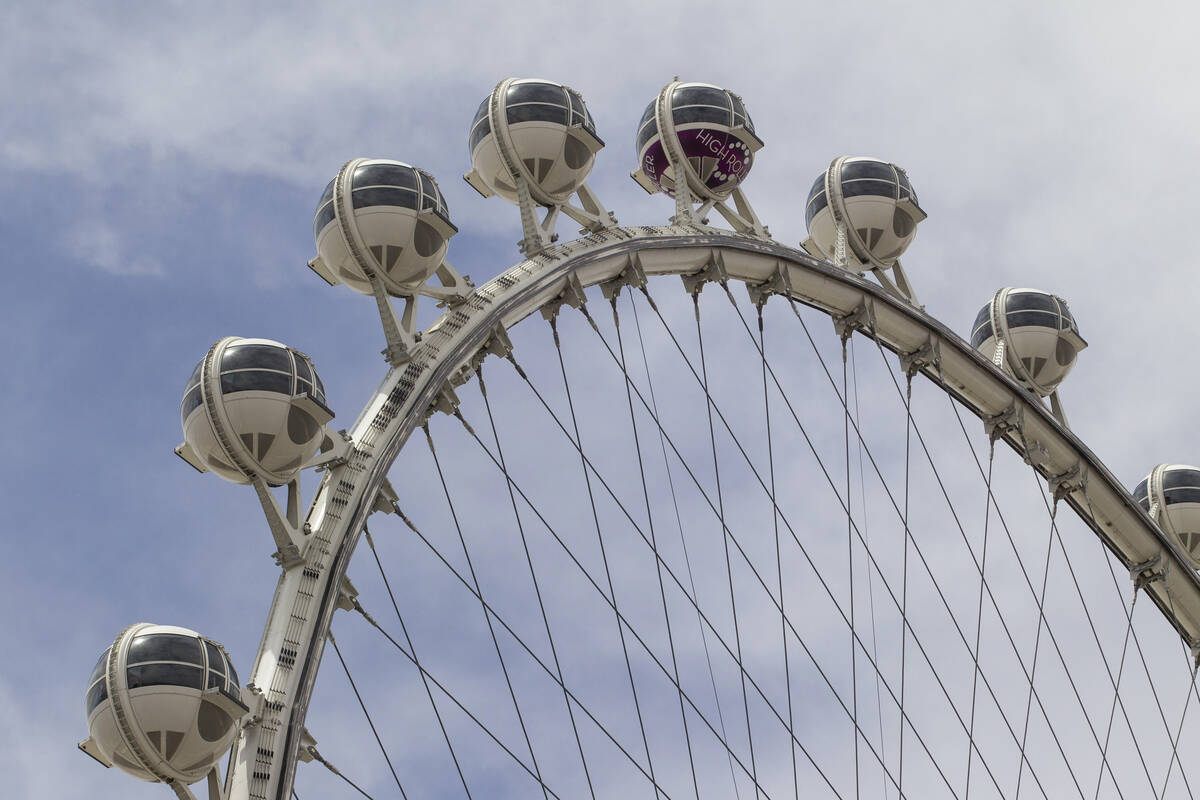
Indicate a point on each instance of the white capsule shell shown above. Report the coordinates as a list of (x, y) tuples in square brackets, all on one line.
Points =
[(535, 129), (876, 203), (267, 414), (386, 216), (1040, 340), (179, 694), (1171, 495)]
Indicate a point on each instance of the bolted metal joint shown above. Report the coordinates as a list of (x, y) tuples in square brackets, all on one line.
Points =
[(780, 282), (632, 276), (927, 355), (713, 272), (571, 295), (862, 318)]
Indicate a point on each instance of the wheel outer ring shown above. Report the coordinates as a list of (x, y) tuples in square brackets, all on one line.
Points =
[(408, 391)]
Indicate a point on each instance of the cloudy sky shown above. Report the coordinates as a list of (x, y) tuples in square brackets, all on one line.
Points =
[(160, 164)]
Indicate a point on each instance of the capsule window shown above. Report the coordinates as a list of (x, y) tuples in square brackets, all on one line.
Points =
[(536, 93), (233, 676), (256, 381), (1141, 494), (100, 668), (1176, 478), (191, 401), (327, 195), (536, 112), (579, 112), (688, 114), (1184, 494), (700, 95), (480, 131), (384, 175), (1031, 301), (164, 647), (855, 170), (96, 695), (482, 111), (981, 331), (165, 675), (385, 196), (816, 204), (195, 378), (868, 187), (256, 356), (325, 215), (647, 132), (1032, 319)]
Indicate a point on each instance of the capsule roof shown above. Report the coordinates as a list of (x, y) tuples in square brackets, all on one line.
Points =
[(258, 365), (1026, 308), (385, 183), (695, 105), (534, 100), (862, 176)]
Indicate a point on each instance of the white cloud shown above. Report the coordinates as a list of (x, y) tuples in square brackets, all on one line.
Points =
[(105, 247)]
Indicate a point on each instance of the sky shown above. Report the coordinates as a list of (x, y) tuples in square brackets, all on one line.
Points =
[(159, 166)]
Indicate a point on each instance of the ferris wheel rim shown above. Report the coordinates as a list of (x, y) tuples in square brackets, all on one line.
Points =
[(455, 344)]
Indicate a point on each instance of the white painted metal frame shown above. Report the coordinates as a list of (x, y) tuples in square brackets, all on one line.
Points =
[(263, 761)]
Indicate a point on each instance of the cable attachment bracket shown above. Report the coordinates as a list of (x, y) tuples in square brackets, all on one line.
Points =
[(633, 276), (1073, 480), (1010, 420), (927, 355), (780, 282), (1149, 571), (571, 295), (862, 318), (712, 272)]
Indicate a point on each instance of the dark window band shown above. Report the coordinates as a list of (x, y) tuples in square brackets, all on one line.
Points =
[(256, 356), (191, 401), (688, 114), (1026, 319), (385, 196), (536, 112), (700, 95), (536, 93), (165, 675), (164, 647), (324, 216), (384, 175), (856, 170), (1175, 478), (867, 186), (256, 381), (1183, 494), (96, 695)]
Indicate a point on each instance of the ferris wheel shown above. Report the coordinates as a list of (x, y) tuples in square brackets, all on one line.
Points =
[(753, 538)]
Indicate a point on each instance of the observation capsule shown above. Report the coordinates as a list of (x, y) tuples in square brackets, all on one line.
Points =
[(388, 216), (533, 129), (706, 129), (1031, 335), (253, 407), (876, 203), (1171, 495), (178, 696)]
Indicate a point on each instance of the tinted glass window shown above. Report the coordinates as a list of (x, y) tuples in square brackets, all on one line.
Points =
[(479, 132), (482, 112), (164, 647), (868, 169), (165, 675), (302, 368), (214, 656), (1182, 495), (96, 695), (579, 113), (1181, 477), (215, 680), (539, 112), (1142, 495), (1031, 301), (324, 216), (648, 114), (739, 110), (256, 356), (1025, 319), (815, 205), (101, 665), (233, 676), (536, 93), (385, 196), (873, 188), (195, 379), (256, 381), (385, 175), (326, 195), (700, 95), (700, 114), (191, 401), (646, 133)]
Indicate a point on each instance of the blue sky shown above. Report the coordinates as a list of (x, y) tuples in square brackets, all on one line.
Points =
[(159, 167)]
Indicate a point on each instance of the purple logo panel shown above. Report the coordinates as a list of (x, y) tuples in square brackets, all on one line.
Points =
[(721, 159)]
